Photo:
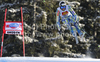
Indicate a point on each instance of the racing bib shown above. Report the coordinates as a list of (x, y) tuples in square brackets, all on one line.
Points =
[(64, 13)]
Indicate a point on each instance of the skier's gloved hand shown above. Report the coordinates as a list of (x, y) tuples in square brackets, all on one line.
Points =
[(75, 18), (76, 22)]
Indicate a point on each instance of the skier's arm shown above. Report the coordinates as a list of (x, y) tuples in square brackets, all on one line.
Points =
[(58, 19), (74, 15)]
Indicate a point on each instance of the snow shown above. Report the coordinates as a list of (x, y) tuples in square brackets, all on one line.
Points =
[(3, 5), (27, 39), (46, 59), (81, 18), (13, 10), (45, 15), (73, 3), (98, 17)]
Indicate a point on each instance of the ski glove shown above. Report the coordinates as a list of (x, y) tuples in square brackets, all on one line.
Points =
[(77, 22)]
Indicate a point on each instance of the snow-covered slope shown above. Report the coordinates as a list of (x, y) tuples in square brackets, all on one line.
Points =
[(42, 59)]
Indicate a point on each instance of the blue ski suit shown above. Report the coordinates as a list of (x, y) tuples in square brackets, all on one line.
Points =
[(68, 17)]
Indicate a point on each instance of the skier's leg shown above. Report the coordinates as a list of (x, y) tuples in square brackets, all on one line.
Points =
[(66, 22), (78, 30), (77, 27), (72, 31)]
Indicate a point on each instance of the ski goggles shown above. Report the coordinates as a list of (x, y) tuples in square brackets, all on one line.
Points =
[(62, 7)]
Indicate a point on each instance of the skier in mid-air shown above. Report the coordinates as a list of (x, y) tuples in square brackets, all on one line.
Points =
[(68, 17)]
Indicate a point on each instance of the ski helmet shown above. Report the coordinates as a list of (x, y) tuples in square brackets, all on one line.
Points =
[(62, 3)]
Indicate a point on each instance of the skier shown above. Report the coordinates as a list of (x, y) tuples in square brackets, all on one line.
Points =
[(68, 17)]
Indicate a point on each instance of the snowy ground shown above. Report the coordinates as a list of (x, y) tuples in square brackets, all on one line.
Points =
[(42, 59)]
